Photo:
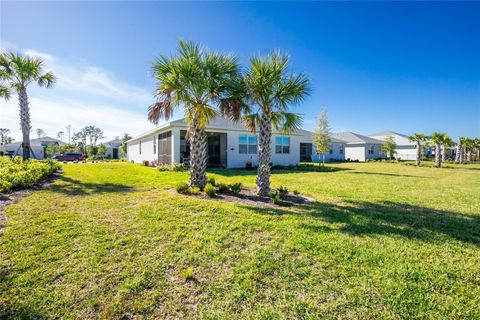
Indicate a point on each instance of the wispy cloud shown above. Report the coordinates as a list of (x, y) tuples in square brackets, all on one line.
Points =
[(83, 95)]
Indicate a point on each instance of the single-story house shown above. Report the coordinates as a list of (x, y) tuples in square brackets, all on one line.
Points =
[(230, 145), (38, 147), (114, 148), (405, 150), (359, 147)]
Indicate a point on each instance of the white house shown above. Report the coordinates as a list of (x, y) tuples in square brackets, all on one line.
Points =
[(359, 147), (405, 150), (113, 148), (230, 145), (38, 146)]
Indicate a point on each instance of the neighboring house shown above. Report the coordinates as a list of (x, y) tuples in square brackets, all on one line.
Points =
[(308, 152), (114, 148), (359, 147), (38, 146), (230, 145), (405, 150)]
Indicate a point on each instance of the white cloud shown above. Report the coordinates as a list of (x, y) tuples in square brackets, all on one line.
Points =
[(83, 95)]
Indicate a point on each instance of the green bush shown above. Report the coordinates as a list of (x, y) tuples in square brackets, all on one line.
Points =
[(235, 187), (276, 198), (171, 167), (145, 163), (210, 190), (223, 187), (211, 180), (16, 173), (194, 190), (182, 187), (283, 191)]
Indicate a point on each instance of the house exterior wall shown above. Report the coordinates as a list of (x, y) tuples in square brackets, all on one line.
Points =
[(377, 152), (337, 153), (405, 150), (355, 152), (38, 152), (133, 150)]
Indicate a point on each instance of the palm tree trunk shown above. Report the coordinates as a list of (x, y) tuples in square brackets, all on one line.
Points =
[(438, 156), (462, 158), (469, 155), (198, 154), (419, 153), (264, 153), (458, 152), (24, 121), (444, 152)]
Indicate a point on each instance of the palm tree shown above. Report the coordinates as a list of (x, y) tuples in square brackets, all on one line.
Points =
[(447, 142), (469, 145), (16, 73), (459, 151), (197, 80), (437, 139), (269, 93), (418, 138)]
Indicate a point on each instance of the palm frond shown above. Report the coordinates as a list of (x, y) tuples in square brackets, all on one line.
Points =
[(250, 121), (286, 122), (4, 92), (48, 79)]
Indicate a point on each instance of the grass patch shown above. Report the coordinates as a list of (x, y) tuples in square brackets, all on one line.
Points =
[(381, 240)]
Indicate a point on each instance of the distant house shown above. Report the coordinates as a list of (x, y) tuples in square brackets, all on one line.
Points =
[(114, 148), (230, 145), (405, 149), (38, 146), (359, 147)]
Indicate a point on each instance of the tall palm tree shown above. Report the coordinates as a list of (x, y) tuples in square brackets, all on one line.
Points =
[(16, 73), (418, 138), (437, 139), (459, 151), (270, 90), (197, 80), (469, 145)]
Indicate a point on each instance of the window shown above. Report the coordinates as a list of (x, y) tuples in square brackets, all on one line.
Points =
[(247, 144), (154, 145), (341, 149), (371, 150), (140, 147), (331, 149), (282, 144)]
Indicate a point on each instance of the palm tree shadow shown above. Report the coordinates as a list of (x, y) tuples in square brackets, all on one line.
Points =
[(385, 174), (75, 187), (362, 218), (274, 170)]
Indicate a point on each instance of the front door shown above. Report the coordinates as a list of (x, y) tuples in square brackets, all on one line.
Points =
[(214, 158), (115, 153), (306, 152)]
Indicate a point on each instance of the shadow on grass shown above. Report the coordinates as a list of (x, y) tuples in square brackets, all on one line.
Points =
[(253, 172), (20, 312), (75, 187), (386, 174), (387, 218)]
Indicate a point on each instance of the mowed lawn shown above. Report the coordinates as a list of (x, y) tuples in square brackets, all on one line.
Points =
[(381, 241)]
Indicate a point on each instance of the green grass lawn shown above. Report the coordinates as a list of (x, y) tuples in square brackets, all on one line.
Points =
[(382, 240)]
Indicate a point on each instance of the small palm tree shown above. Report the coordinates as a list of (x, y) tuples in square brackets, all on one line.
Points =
[(16, 73), (269, 93), (459, 151), (199, 81), (447, 143), (469, 145), (418, 138), (437, 139)]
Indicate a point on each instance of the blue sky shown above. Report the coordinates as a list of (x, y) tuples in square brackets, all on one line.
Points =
[(407, 67)]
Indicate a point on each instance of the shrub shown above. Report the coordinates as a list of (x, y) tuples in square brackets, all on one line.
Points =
[(276, 198), (222, 187), (171, 167), (194, 190), (211, 180), (16, 173), (145, 163), (249, 164), (181, 187), (235, 187), (283, 191), (296, 192), (210, 190)]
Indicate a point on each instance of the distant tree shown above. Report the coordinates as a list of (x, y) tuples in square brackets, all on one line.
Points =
[(438, 139), (80, 140), (469, 145), (92, 150), (94, 134), (5, 136), (52, 149), (459, 151), (447, 143), (477, 148), (17, 72), (60, 135), (102, 150), (389, 146), (321, 137), (125, 137), (40, 133), (418, 138)]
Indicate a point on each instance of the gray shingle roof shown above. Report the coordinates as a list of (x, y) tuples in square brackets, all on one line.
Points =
[(37, 142), (113, 143), (387, 133), (351, 137)]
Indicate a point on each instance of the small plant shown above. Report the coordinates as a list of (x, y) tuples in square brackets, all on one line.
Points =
[(296, 192), (178, 167), (181, 187), (188, 274), (193, 190), (235, 188), (223, 188), (276, 198), (211, 180), (145, 163), (283, 191), (249, 164), (210, 190)]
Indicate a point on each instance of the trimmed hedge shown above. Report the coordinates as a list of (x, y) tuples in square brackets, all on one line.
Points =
[(16, 173)]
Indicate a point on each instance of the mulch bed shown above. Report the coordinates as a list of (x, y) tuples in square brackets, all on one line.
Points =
[(7, 199), (249, 197)]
